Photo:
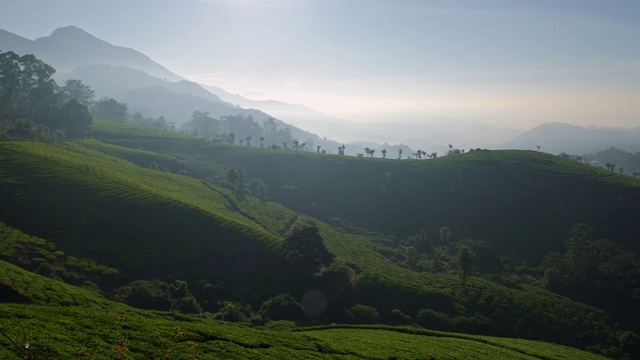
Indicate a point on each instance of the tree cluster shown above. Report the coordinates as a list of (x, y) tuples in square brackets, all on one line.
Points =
[(305, 248), (31, 101)]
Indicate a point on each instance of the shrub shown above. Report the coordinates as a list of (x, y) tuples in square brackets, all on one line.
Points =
[(282, 307), (364, 314), (257, 320), (46, 269), (189, 305), (435, 320), (397, 317), (231, 312)]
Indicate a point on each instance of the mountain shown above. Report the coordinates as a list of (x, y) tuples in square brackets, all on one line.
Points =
[(560, 137), (70, 47), (12, 42), (430, 133)]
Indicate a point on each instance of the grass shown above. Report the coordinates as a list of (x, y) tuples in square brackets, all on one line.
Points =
[(520, 202), (73, 193), (102, 128), (69, 320)]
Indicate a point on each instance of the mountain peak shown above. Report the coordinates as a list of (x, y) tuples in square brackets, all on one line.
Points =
[(73, 33)]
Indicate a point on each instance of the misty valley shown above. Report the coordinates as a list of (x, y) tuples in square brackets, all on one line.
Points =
[(144, 217)]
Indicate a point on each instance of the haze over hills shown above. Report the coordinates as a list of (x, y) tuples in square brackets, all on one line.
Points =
[(146, 86), (220, 221), (135, 79), (560, 137)]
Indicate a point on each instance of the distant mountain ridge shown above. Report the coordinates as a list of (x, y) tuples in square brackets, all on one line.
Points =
[(560, 137), (70, 47), (132, 78)]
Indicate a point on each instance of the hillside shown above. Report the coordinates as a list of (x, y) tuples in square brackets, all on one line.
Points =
[(98, 200), (75, 196), (555, 138), (490, 196), (91, 329)]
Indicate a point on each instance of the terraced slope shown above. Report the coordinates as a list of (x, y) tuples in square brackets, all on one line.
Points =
[(71, 322), (521, 202), (138, 220), (151, 223)]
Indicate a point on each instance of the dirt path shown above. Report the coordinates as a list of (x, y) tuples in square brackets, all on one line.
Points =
[(290, 226)]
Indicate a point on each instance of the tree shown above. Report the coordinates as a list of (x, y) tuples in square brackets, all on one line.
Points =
[(109, 109), (465, 258), (399, 154), (258, 188), (445, 235), (305, 247), (27, 89), (384, 153), (341, 149), (248, 138), (236, 176), (75, 89), (411, 255), (73, 117)]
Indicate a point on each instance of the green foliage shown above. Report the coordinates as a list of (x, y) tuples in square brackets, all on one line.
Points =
[(234, 240), (397, 317), (122, 129), (74, 89), (27, 89), (258, 189), (465, 259), (364, 314), (282, 307), (236, 177), (596, 271), (234, 312), (305, 247), (108, 109), (73, 117)]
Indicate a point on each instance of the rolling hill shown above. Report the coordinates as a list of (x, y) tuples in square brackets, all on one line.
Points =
[(559, 137), (90, 328), (490, 196), (98, 199)]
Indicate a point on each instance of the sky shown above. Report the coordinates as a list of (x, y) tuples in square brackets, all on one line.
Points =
[(511, 63)]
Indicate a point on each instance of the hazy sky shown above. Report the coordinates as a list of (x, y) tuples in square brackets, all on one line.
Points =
[(515, 63)]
